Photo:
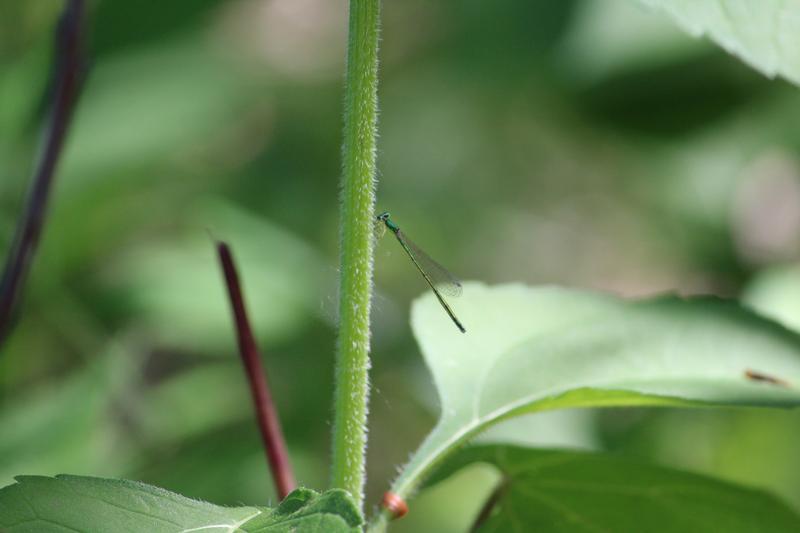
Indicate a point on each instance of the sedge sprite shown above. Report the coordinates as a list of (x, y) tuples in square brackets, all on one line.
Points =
[(437, 277)]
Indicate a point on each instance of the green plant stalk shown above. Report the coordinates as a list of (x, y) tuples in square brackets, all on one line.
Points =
[(357, 222)]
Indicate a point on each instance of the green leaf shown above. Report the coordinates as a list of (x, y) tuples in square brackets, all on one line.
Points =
[(73, 503), (763, 33), (556, 491), (532, 349), (306, 511)]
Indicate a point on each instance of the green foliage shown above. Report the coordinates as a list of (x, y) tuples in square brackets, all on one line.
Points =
[(764, 33), (561, 491), (40, 504), (579, 143), (532, 349)]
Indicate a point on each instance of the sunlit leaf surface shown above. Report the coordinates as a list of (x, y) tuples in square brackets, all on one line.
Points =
[(531, 349)]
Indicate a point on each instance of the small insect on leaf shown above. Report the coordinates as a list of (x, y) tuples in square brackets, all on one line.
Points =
[(753, 375)]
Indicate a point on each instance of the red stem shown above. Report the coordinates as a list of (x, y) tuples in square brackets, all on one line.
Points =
[(266, 415), (68, 76)]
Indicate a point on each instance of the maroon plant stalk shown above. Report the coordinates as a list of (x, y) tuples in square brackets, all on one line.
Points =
[(267, 417), (67, 80)]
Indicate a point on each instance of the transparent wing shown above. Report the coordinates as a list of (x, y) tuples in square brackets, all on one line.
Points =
[(378, 229), (445, 282)]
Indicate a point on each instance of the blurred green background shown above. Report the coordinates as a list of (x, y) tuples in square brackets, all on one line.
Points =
[(583, 143)]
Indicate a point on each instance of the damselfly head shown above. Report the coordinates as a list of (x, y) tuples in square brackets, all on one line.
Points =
[(383, 217)]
